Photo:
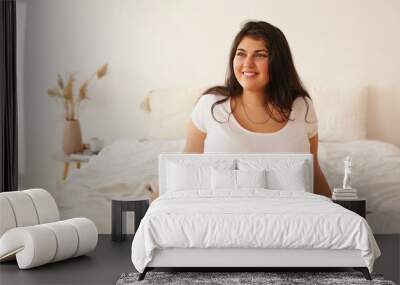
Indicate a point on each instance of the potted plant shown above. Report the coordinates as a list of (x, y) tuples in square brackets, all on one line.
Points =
[(72, 138)]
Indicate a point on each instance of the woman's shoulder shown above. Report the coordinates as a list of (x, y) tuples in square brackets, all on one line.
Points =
[(207, 100), (303, 107), (302, 104), (302, 101), (202, 116), (211, 97)]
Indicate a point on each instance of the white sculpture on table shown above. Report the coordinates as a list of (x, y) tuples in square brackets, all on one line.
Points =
[(347, 173)]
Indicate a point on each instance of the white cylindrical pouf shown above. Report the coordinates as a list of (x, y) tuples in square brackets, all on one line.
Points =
[(31, 233), (23, 208), (36, 245), (87, 234), (67, 239), (45, 205), (7, 218)]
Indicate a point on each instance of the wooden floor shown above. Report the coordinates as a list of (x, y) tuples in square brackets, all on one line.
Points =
[(111, 259)]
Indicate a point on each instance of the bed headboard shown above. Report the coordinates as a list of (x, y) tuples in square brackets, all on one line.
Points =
[(234, 159)]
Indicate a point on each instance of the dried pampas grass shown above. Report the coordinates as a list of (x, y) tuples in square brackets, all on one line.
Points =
[(102, 71), (54, 92), (66, 92), (60, 82), (83, 90), (69, 88)]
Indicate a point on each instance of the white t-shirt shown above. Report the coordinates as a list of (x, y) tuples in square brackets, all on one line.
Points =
[(230, 136)]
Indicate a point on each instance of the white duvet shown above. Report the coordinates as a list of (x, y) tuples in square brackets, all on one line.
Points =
[(250, 219)]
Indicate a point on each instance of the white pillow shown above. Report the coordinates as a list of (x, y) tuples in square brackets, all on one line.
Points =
[(251, 178), (228, 179), (341, 113), (187, 177), (281, 174), (223, 179), (293, 179)]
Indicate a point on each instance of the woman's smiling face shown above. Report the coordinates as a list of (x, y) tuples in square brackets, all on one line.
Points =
[(250, 64)]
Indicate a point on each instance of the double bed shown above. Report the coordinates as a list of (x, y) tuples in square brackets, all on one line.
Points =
[(275, 220)]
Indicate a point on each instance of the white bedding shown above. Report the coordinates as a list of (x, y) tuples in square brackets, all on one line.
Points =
[(126, 167), (250, 219)]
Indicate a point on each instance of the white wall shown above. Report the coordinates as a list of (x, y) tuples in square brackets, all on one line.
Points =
[(153, 44)]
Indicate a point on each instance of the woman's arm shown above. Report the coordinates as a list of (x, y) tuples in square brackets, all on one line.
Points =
[(321, 187), (194, 140)]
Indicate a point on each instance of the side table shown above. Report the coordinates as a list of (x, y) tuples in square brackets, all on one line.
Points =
[(121, 205), (66, 159), (358, 206)]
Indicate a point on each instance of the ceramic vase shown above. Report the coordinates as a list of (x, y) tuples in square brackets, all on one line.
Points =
[(72, 140)]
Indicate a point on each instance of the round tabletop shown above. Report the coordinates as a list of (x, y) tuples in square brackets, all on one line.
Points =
[(349, 200), (130, 199), (76, 157)]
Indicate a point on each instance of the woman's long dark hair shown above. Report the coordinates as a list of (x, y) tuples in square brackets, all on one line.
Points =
[(284, 84)]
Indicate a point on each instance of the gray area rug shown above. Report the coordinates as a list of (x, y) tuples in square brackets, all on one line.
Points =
[(270, 278)]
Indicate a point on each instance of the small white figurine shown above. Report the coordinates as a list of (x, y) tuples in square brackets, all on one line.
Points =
[(347, 173)]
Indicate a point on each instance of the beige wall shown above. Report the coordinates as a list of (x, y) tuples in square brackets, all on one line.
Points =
[(153, 44), (384, 114)]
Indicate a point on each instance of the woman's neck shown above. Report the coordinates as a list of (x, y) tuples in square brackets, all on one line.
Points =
[(253, 99)]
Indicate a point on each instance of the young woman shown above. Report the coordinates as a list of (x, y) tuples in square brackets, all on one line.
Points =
[(262, 107)]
